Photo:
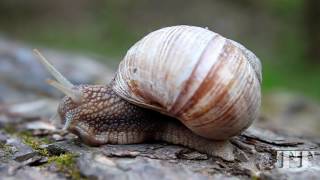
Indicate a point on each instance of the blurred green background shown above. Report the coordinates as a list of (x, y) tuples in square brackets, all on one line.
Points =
[(284, 34)]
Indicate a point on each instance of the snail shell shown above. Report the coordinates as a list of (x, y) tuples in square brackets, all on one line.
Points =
[(210, 83)]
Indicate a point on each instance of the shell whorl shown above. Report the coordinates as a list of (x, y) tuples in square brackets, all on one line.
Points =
[(210, 83)]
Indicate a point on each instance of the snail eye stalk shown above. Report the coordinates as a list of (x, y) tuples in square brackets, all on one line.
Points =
[(62, 84), (52, 70), (74, 94)]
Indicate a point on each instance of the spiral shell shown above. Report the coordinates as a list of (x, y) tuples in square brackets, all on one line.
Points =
[(210, 83)]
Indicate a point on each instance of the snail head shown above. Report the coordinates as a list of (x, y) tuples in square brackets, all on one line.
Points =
[(84, 108)]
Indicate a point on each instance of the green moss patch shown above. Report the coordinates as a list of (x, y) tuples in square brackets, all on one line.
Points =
[(66, 164), (6, 152), (34, 142)]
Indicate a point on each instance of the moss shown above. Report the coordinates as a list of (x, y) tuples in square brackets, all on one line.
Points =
[(34, 143), (9, 129), (27, 138), (6, 148), (255, 176), (6, 152), (66, 164), (46, 140)]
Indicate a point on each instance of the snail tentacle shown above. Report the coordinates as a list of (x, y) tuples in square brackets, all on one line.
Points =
[(53, 71), (73, 93)]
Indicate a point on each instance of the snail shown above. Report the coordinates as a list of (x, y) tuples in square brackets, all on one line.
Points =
[(183, 84)]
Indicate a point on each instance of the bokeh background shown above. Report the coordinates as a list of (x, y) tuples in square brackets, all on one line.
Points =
[(285, 34)]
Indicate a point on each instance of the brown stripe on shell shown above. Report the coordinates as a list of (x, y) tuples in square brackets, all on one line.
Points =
[(206, 85), (223, 98), (170, 38), (242, 117), (251, 97), (148, 97), (227, 117), (191, 80)]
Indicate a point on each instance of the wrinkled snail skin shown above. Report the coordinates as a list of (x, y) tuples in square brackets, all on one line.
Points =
[(183, 84)]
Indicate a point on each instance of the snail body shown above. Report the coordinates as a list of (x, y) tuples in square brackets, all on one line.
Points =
[(182, 84)]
